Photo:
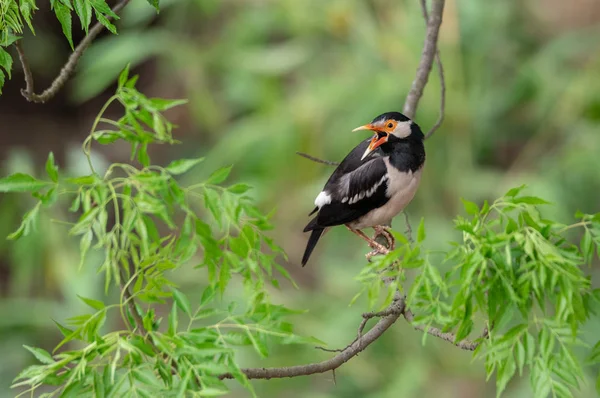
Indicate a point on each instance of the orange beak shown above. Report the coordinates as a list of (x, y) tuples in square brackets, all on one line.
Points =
[(377, 140)]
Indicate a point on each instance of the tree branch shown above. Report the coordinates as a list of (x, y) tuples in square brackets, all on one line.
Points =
[(427, 55), (395, 309), (67, 70)]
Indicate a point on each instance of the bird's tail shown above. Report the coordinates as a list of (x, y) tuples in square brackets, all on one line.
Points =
[(315, 235)]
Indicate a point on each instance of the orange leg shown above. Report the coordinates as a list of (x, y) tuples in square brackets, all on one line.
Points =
[(374, 245)]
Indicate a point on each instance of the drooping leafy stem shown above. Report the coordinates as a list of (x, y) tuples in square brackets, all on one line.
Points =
[(147, 225)]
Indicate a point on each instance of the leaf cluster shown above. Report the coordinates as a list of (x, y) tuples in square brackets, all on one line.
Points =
[(146, 224), (16, 15), (518, 275)]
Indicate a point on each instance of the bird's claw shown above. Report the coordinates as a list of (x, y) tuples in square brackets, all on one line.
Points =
[(385, 232), (371, 254)]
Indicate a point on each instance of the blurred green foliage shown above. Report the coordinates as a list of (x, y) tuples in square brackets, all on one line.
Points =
[(268, 78)]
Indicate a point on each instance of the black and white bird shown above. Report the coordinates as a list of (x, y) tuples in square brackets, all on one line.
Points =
[(374, 182)]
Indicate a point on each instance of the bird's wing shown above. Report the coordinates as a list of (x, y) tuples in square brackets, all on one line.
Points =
[(354, 194)]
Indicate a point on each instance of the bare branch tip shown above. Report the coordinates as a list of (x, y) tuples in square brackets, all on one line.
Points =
[(315, 159)]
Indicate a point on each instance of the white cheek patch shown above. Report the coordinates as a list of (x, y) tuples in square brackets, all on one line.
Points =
[(402, 129), (322, 199)]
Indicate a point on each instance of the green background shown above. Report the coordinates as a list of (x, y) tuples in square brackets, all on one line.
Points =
[(267, 78)]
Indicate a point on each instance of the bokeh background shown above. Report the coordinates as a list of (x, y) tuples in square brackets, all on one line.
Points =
[(267, 78)]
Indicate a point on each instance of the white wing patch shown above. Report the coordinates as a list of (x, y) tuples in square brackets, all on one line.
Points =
[(322, 199), (365, 194)]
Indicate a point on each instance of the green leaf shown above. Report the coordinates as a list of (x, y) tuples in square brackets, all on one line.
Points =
[(20, 182), (27, 224), (104, 21), (26, 7), (5, 61), (143, 157), (63, 329), (239, 189), (207, 295), (101, 7), (183, 384), (260, 348), (505, 373), (42, 355), (520, 355), (285, 274), (51, 168), (470, 207), (219, 175), (465, 328), (123, 76), (224, 275), (529, 345), (162, 104), (83, 9), (182, 301), (63, 14), (84, 245), (95, 304), (182, 165), (84, 180), (1, 80), (531, 200), (211, 391), (515, 191), (154, 3), (421, 231), (587, 249)]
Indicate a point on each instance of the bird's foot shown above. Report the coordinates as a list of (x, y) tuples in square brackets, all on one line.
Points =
[(385, 232), (377, 247), (371, 254)]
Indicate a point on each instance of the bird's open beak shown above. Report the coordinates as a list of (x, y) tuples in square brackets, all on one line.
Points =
[(379, 138)]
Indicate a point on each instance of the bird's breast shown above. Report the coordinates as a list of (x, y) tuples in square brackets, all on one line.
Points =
[(402, 187)]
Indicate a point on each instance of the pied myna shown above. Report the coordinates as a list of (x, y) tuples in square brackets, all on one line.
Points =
[(374, 183)]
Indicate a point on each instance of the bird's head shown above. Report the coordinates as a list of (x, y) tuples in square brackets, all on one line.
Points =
[(390, 126)]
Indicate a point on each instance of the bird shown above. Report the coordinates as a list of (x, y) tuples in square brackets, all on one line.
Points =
[(373, 183)]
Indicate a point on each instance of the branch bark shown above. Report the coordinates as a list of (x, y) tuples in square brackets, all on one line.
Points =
[(467, 345), (69, 67), (394, 311), (427, 55)]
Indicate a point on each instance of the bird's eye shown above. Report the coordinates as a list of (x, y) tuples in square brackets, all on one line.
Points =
[(390, 125)]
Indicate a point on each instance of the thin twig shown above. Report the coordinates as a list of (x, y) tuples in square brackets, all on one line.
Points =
[(427, 55), (438, 62), (408, 231), (366, 317), (68, 69), (314, 159), (440, 120), (467, 345)]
